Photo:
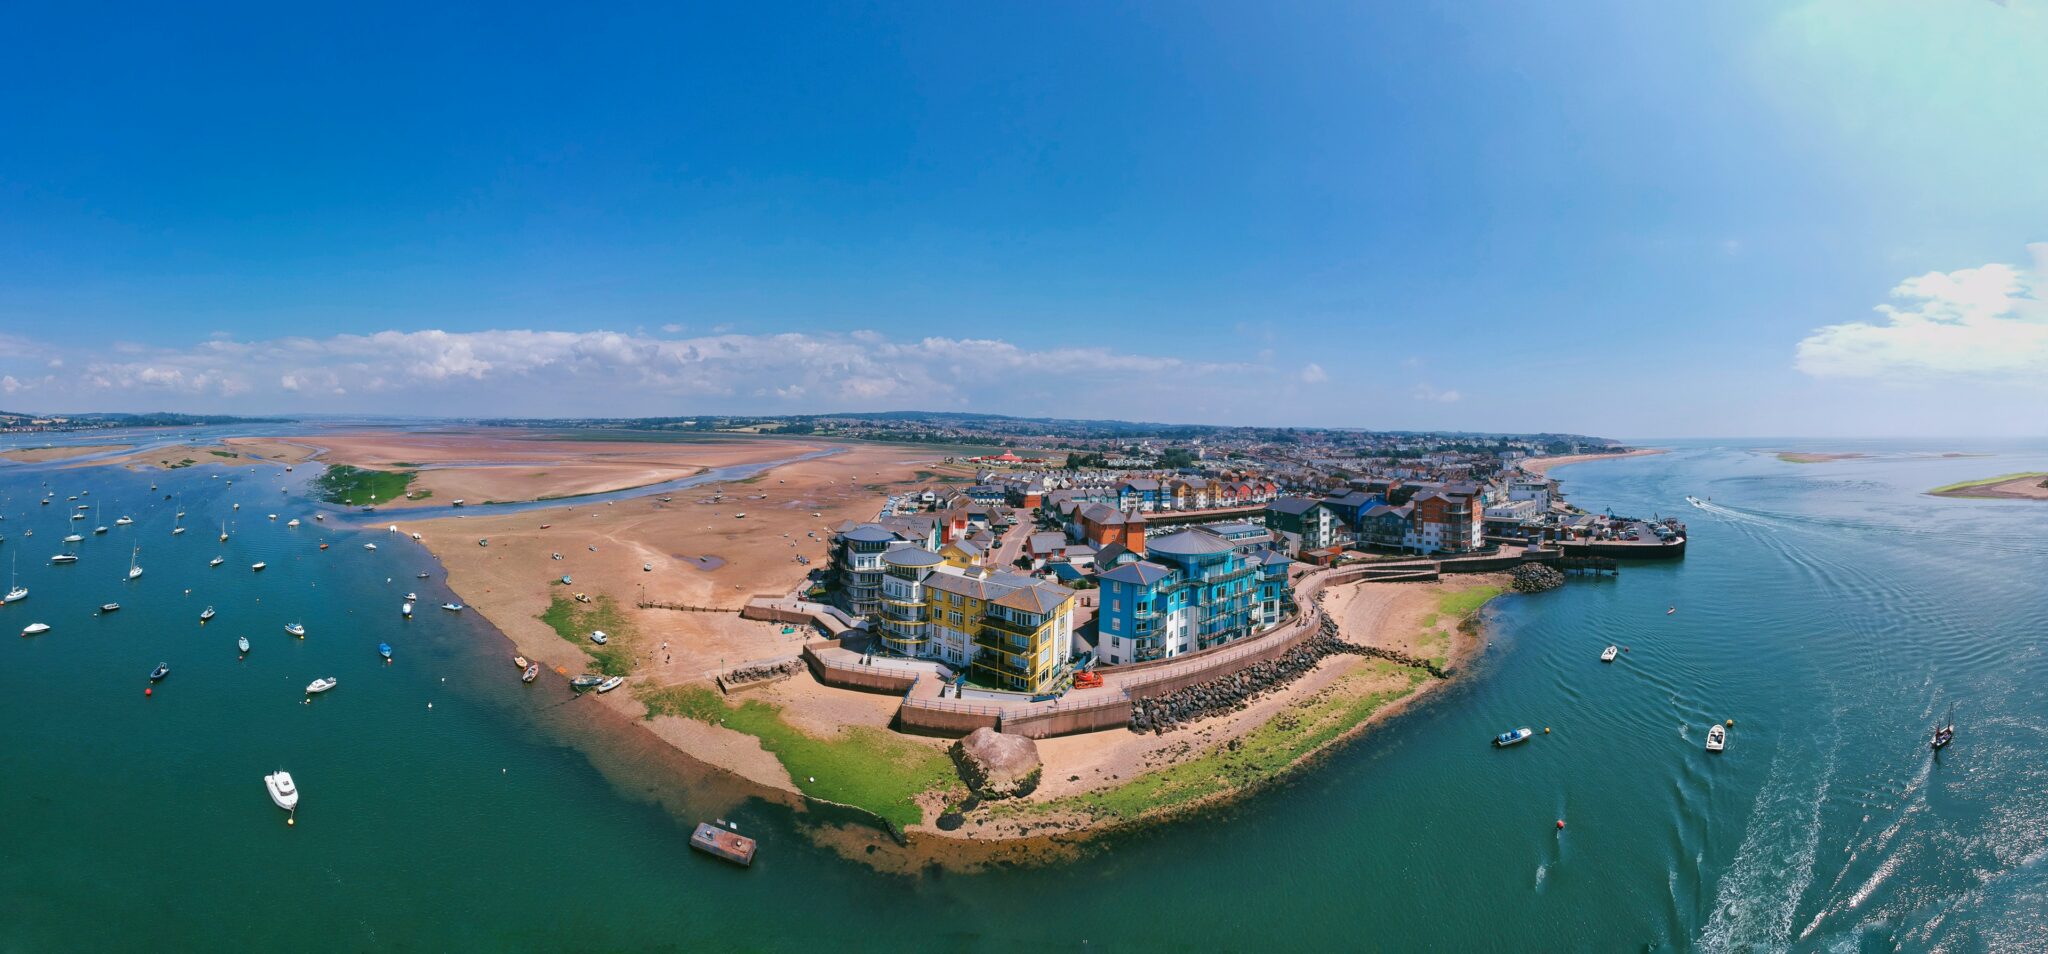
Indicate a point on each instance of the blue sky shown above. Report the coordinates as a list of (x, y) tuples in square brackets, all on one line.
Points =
[(1626, 219)]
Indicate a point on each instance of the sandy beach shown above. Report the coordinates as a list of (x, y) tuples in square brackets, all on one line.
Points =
[(38, 455), (1542, 466), (2032, 486)]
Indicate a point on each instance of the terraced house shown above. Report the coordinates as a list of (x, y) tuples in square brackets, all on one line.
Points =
[(1005, 630), (1194, 590)]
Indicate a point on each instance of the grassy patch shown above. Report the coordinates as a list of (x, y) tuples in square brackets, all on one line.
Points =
[(573, 621), (861, 766), (1258, 756), (1985, 482), (222, 453), (1462, 603), (344, 484)]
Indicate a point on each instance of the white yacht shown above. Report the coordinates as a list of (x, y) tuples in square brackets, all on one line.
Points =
[(177, 530), (296, 629), (216, 561), (123, 521), (282, 790), (293, 522), (64, 558), (1717, 738), (15, 591), (134, 570), (35, 629), (406, 610), (257, 567), (1608, 654), (321, 685), (74, 538), (369, 546)]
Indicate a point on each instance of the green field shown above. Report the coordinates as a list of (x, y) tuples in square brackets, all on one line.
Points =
[(357, 485), (1956, 489), (574, 622), (862, 766)]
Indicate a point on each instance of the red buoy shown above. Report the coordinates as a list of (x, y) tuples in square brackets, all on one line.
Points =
[(1560, 824), (148, 691)]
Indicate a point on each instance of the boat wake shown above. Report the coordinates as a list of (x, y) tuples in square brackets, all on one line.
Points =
[(1773, 868)]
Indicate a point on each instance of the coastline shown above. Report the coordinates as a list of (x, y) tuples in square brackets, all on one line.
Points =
[(1542, 466), (43, 455)]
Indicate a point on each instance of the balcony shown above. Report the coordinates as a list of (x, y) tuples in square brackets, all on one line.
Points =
[(1003, 625)]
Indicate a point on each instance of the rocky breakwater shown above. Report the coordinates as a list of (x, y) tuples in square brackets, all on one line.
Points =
[(1535, 578), (995, 765), (745, 677), (1230, 693)]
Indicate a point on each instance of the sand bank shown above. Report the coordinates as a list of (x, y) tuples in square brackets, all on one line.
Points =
[(1817, 457), (1542, 466), (38, 455), (2029, 486)]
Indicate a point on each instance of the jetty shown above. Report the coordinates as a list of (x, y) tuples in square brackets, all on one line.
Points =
[(720, 843)]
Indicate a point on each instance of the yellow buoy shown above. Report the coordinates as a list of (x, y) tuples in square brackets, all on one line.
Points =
[(1546, 730), (1731, 723)]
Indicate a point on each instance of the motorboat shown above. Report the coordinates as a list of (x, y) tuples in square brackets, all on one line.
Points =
[(419, 576), (296, 629), (177, 530), (412, 597), (321, 685), (452, 607), (532, 672), (109, 607), (586, 681), (406, 610), (257, 567), (63, 558), (646, 567), (74, 538), (1515, 737), (293, 522), (272, 516), (1608, 654), (323, 544), (597, 636), (35, 629), (369, 546), (1717, 738), (282, 790), (216, 561), (320, 516), (206, 614), (243, 645), (123, 521), (161, 670), (384, 650), (610, 684)]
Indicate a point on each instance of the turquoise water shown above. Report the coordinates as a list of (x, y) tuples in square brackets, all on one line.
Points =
[(1831, 610)]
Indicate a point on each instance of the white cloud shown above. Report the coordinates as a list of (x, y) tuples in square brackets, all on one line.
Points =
[(1987, 322), (526, 372), (9, 384), (1424, 392), (672, 328), (1313, 373)]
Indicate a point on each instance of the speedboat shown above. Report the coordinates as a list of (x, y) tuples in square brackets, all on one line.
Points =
[(35, 629), (243, 644), (63, 558), (384, 650), (610, 684), (597, 636), (123, 521), (74, 538), (216, 561), (369, 546), (406, 610), (586, 681), (419, 576), (1717, 738), (296, 629), (272, 516), (282, 790), (109, 607), (293, 522), (321, 685), (532, 672), (161, 670), (177, 530), (1516, 737), (320, 516), (412, 597), (452, 607), (206, 614), (257, 567), (1608, 654)]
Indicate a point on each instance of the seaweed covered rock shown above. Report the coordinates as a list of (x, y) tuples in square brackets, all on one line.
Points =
[(1535, 578), (995, 765)]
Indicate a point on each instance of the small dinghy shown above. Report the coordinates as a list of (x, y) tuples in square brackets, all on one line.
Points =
[(519, 662), (610, 684), (206, 614), (35, 629), (257, 567), (282, 791), (1608, 654), (161, 670), (321, 685), (296, 629), (109, 607), (384, 650), (293, 522), (1717, 738), (1516, 737), (532, 672), (406, 610), (586, 681), (243, 645), (216, 561), (452, 607)]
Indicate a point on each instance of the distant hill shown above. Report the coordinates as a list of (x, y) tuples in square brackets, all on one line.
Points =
[(107, 419)]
